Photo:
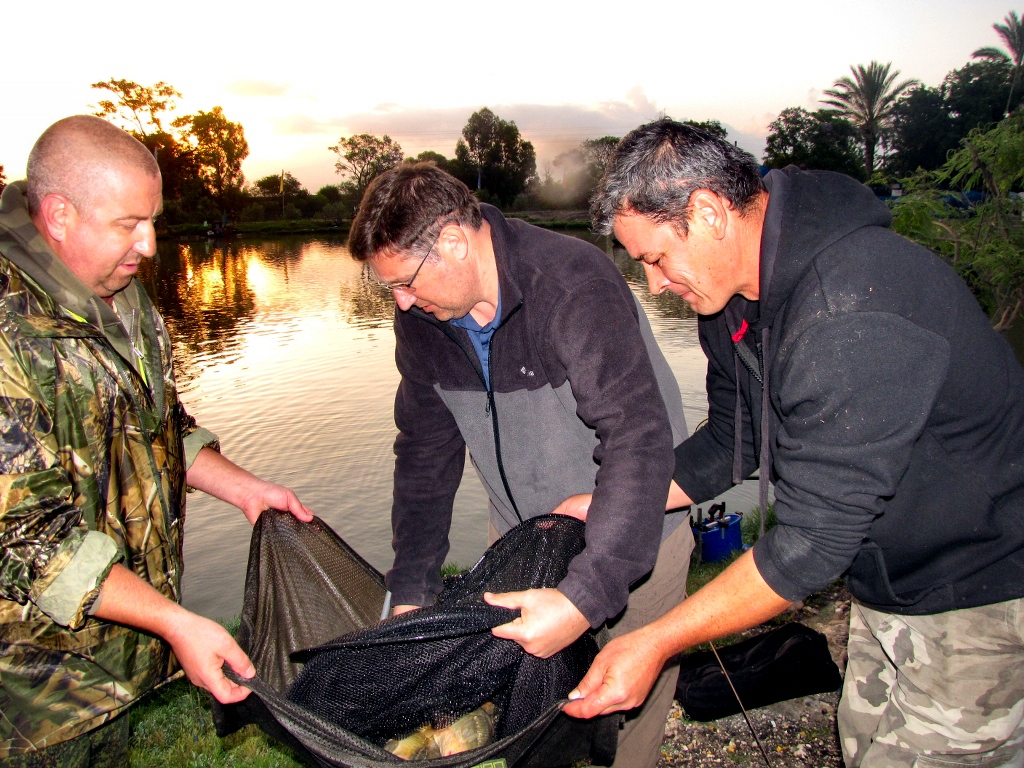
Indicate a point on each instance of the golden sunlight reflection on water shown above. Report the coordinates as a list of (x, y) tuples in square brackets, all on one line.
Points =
[(284, 348)]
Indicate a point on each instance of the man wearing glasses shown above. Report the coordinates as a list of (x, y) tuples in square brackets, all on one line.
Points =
[(528, 348)]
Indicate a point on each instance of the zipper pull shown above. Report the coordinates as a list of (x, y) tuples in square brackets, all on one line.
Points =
[(487, 407)]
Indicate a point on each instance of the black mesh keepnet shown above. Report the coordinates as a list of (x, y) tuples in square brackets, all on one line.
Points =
[(438, 663), (336, 684)]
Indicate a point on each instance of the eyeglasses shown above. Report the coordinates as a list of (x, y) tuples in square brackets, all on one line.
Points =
[(406, 285)]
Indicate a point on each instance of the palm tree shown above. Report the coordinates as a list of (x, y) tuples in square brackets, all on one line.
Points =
[(1012, 33), (867, 101)]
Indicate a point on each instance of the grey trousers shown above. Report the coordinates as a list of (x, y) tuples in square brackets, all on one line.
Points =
[(643, 728)]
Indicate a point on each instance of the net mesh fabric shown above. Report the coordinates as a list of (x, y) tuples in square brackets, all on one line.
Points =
[(436, 664), (308, 595)]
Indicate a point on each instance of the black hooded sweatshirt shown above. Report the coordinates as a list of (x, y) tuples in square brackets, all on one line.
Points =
[(895, 414)]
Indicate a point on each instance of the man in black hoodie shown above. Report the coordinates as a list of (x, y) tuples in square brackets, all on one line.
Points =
[(856, 371)]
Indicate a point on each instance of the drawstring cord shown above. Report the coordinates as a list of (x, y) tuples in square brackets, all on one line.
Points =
[(762, 480), (760, 372)]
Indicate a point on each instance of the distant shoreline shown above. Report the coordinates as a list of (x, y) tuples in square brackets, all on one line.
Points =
[(546, 219), (249, 228)]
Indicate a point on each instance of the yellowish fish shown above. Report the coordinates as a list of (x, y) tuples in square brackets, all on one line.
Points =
[(468, 732), (416, 746)]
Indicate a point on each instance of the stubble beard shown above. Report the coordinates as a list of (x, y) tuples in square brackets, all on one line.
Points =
[(446, 313)]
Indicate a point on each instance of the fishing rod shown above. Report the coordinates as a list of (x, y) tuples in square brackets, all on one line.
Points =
[(740, 702)]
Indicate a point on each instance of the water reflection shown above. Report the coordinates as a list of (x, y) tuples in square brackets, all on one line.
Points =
[(284, 348), (203, 294), (209, 291), (366, 302), (665, 305)]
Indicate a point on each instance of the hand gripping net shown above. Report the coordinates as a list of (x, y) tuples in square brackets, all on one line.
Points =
[(335, 684)]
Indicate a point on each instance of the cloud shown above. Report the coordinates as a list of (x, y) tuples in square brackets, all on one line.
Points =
[(639, 100), (298, 125), (552, 128), (257, 88)]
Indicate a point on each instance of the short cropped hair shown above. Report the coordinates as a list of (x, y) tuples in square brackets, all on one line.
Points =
[(658, 166), (405, 208), (73, 154)]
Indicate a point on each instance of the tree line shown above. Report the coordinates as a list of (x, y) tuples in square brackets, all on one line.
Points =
[(870, 127), (954, 154), (965, 135), (200, 156), (491, 157), (878, 130)]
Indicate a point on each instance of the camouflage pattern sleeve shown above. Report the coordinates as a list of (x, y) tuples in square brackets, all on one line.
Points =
[(194, 437), (47, 553), (196, 441)]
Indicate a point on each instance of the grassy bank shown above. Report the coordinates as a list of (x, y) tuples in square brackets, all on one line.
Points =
[(553, 219), (174, 727)]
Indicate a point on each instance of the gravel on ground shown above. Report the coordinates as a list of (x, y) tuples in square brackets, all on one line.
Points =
[(801, 732)]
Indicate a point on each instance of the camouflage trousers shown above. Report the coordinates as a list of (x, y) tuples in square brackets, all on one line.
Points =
[(105, 747), (939, 690)]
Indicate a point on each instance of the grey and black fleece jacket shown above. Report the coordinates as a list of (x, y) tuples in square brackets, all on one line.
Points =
[(577, 405), (896, 413)]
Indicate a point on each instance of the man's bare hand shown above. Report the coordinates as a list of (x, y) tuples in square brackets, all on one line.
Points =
[(218, 476), (264, 496), (202, 647), (575, 506), (548, 622), (398, 610), (625, 670), (619, 679)]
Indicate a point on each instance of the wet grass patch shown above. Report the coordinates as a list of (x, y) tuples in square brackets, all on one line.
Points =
[(173, 727)]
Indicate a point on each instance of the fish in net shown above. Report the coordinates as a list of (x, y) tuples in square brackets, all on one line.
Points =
[(337, 685)]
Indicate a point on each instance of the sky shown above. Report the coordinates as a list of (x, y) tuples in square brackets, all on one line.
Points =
[(302, 74)]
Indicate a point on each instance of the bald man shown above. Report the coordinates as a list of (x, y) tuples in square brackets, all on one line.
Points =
[(95, 454)]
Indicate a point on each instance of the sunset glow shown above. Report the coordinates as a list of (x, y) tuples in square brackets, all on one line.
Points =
[(313, 71)]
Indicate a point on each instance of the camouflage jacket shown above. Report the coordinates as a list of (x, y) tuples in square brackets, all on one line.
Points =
[(94, 446)]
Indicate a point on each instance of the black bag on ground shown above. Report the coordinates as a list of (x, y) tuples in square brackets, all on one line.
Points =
[(787, 662), (334, 683)]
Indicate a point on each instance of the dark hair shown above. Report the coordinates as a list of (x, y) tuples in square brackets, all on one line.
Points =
[(406, 207), (658, 166)]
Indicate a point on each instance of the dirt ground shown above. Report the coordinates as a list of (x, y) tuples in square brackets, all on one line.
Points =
[(800, 732)]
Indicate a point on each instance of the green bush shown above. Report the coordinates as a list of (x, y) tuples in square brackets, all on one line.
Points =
[(335, 211), (252, 212)]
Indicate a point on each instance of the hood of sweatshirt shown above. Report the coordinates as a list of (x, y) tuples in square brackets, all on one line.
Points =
[(21, 242), (807, 212)]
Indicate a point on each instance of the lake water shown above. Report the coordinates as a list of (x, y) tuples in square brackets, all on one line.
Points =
[(285, 349)]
